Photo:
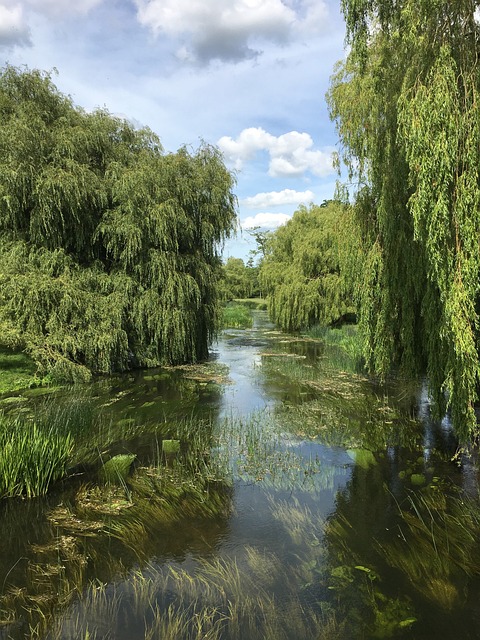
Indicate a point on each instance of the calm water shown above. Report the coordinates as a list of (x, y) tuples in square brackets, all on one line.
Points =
[(334, 511)]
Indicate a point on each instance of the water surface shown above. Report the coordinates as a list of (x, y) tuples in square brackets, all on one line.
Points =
[(328, 507)]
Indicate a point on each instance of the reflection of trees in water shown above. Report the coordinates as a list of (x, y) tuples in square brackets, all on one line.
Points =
[(396, 554)]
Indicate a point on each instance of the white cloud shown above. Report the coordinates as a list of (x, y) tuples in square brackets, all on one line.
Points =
[(62, 7), (265, 220), (278, 198), (230, 30), (15, 16), (291, 154), (14, 30)]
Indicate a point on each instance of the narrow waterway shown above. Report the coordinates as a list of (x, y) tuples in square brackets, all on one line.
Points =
[(315, 504)]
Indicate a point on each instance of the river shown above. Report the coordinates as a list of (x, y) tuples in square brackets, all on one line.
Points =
[(300, 500)]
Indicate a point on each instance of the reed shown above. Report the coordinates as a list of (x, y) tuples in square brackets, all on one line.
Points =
[(221, 599), (31, 457), (236, 316)]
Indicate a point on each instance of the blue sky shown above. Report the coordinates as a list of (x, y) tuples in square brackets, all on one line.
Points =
[(247, 75)]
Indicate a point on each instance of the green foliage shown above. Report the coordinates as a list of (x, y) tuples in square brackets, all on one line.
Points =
[(259, 304), (109, 253), (406, 106), (347, 337), (237, 316), (236, 279), (17, 371), (308, 270), (116, 470), (32, 457)]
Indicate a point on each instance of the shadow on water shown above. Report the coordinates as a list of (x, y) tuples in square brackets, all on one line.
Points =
[(274, 492)]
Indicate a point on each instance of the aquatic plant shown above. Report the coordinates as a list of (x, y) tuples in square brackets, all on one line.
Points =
[(347, 338), (236, 316), (253, 449), (31, 457), (116, 470), (220, 600), (439, 544)]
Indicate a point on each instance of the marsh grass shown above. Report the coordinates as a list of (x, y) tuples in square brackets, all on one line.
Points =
[(236, 316), (32, 457), (438, 547), (221, 599), (254, 449), (346, 338)]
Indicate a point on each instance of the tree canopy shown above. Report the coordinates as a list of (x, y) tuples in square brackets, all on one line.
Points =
[(239, 279), (406, 106), (109, 247), (307, 271)]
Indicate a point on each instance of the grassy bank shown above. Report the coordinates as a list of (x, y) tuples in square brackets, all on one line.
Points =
[(259, 304), (17, 371), (236, 316)]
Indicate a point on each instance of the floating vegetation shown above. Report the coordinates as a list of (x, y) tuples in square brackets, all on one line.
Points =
[(254, 449), (117, 469), (223, 599), (204, 372), (339, 408), (274, 524)]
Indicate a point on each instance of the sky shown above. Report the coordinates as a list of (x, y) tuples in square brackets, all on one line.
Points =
[(249, 76)]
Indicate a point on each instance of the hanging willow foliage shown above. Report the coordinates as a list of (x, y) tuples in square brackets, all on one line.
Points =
[(109, 248), (406, 104), (309, 268)]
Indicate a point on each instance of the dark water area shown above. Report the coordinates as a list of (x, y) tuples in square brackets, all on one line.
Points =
[(320, 504)]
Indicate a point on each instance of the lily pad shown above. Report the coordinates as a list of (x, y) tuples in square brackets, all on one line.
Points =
[(363, 457), (170, 446), (417, 479), (116, 470)]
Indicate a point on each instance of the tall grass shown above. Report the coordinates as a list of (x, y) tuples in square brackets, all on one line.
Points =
[(237, 316), (346, 338), (31, 457), (260, 304)]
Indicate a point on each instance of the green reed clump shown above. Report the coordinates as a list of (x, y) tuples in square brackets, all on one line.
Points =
[(32, 457), (346, 338), (438, 549), (237, 316), (259, 304)]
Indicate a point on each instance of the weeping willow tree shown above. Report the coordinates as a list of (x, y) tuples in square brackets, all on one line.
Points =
[(308, 269), (109, 247), (406, 104)]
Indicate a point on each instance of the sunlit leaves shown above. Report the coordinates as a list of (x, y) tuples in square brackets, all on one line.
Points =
[(307, 268), (109, 254), (406, 106)]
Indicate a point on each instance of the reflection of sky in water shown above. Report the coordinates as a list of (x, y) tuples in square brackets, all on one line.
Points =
[(323, 483), (253, 520), (241, 353)]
